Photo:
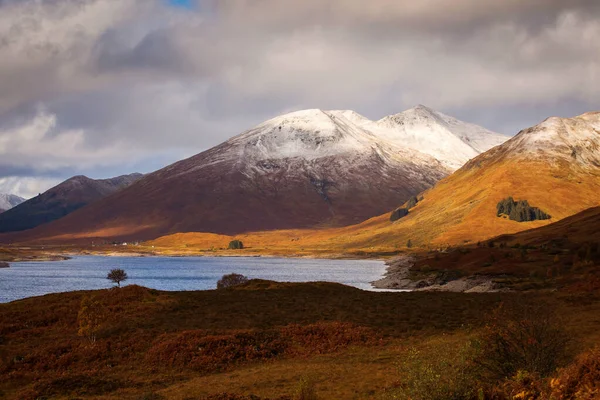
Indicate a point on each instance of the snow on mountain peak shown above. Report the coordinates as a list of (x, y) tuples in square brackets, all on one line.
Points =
[(576, 140), (419, 134), (8, 201), (451, 141)]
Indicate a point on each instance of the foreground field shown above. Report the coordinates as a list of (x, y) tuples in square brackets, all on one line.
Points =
[(264, 338)]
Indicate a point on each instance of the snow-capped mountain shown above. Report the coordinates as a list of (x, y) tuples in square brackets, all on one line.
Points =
[(449, 140), (304, 169), (8, 201), (573, 140), (419, 130), (554, 166)]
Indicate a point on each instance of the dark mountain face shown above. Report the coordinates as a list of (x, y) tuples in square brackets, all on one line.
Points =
[(61, 200)]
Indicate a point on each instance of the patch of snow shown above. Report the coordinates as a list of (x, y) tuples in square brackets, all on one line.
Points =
[(449, 140), (8, 201), (419, 136), (576, 140)]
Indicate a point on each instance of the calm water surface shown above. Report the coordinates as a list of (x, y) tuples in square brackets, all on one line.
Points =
[(28, 279)]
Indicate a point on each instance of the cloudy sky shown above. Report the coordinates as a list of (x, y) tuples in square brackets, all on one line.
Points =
[(107, 87)]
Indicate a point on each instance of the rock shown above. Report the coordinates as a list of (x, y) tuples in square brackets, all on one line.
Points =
[(4, 264), (399, 213)]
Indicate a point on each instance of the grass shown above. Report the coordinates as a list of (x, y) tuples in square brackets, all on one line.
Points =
[(262, 338)]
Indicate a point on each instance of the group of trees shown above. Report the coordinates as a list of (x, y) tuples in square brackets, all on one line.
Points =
[(520, 211), (398, 213), (236, 245)]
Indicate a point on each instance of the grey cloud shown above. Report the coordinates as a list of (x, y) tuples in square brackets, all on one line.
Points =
[(135, 80), (156, 51), (428, 16)]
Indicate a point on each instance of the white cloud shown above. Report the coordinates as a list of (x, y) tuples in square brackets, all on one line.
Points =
[(38, 140), (26, 187)]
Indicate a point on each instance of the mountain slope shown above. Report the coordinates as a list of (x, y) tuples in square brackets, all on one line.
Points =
[(563, 255), (8, 201), (554, 166), (581, 228), (304, 169), (61, 200)]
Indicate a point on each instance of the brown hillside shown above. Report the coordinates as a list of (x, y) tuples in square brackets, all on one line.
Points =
[(564, 255)]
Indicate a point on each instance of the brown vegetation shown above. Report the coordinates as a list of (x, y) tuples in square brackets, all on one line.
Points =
[(564, 255), (261, 338)]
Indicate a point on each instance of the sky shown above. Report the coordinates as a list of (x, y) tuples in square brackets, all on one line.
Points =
[(110, 87)]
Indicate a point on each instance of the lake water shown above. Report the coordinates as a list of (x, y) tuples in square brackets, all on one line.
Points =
[(26, 279)]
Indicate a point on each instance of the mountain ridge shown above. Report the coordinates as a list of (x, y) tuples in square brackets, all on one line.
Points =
[(64, 198), (462, 208), (299, 170)]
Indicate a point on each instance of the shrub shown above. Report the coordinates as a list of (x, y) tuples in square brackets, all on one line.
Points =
[(580, 380), (117, 276), (236, 245), (437, 374), (398, 214), (409, 244), (521, 337), (90, 317), (231, 280), (523, 385), (306, 390)]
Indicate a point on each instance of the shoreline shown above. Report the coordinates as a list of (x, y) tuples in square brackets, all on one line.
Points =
[(398, 277)]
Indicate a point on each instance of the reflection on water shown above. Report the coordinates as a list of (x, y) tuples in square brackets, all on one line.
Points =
[(176, 273)]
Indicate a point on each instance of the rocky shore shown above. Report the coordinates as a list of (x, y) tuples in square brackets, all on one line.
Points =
[(398, 276)]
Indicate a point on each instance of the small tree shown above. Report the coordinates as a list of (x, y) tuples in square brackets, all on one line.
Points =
[(117, 276), (409, 243), (231, 280), (89, 318), (236, 245)]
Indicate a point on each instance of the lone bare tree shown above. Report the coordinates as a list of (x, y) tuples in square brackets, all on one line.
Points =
[(117, 276)]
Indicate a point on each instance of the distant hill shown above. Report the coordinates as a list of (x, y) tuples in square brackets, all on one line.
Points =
[(8, 201), (61, 200), (307, 169)]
